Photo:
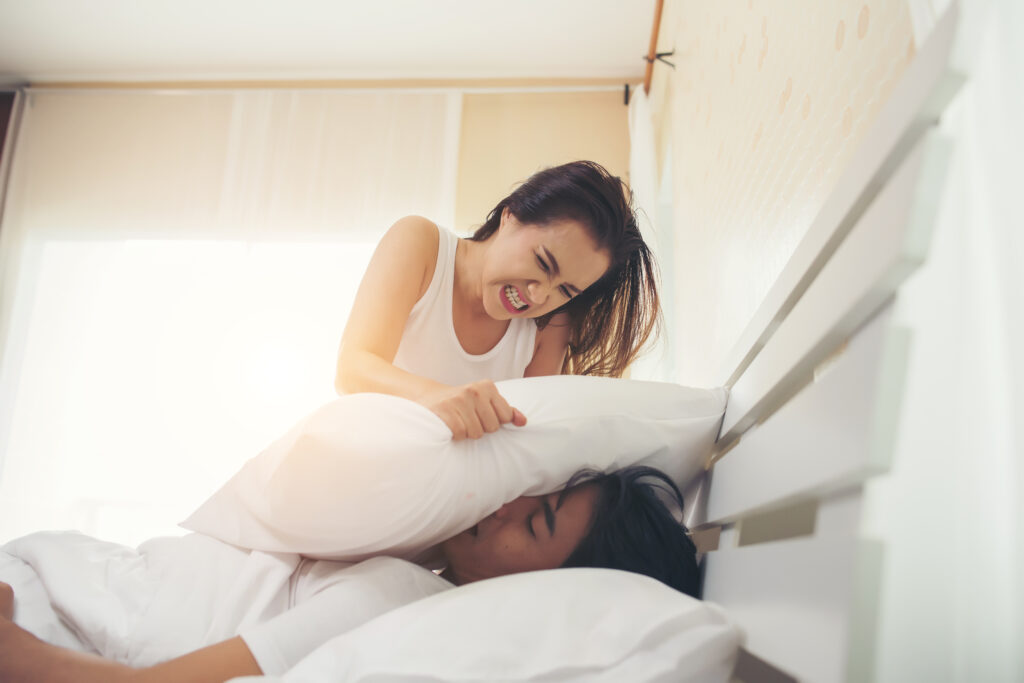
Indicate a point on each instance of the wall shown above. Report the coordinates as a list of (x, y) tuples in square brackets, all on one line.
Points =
[(506, 137), (176, 269), (764, 108)]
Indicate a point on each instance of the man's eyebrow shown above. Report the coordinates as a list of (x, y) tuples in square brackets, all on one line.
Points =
[(549, 516)]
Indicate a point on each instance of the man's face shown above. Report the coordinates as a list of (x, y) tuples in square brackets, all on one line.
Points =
[(528, 534)]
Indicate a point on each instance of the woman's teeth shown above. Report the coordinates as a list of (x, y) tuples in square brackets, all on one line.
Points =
[(513, 297)]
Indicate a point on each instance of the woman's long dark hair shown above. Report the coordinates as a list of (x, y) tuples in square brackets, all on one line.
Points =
[(614, 318)]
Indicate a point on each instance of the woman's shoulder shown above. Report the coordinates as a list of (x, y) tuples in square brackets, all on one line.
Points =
[(414, 239), (557, 331), (415, 231), (409, 248), (550, 344)]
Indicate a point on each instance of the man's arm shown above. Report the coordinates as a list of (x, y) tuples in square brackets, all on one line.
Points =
[(213, 664), (6, 602), (26, 659)]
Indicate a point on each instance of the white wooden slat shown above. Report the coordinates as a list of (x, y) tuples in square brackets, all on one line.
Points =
[(925, 88), (797, 599), (695, 497), (886, 245), (836, 432)]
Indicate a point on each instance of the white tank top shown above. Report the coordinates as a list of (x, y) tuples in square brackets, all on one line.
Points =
[(429, 347)]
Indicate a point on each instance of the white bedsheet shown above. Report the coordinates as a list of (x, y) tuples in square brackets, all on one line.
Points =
[(170, 596), (174, 595)]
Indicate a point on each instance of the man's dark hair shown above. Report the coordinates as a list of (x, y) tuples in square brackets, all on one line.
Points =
[(633, 528)]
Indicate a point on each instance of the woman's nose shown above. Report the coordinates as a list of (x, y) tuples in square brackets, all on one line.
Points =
[(538, 292)]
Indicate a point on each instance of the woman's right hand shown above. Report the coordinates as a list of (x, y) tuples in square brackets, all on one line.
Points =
[(472, 410)]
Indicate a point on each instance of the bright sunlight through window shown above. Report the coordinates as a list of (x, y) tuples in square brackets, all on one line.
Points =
[(146, 372)]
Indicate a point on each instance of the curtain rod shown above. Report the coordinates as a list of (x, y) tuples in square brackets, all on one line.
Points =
[(479, 84), (652, 50)]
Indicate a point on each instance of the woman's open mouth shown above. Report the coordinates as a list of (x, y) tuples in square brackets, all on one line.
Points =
[(512, 300)]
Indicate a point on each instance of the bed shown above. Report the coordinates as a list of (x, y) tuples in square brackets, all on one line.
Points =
[(816, 385)]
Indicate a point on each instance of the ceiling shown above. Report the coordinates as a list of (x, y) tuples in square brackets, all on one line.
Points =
[(161, 40)]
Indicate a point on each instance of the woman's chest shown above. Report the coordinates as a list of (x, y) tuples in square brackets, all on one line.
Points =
[(477, 334)]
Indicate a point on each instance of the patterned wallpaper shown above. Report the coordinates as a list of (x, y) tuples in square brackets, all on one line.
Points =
[(766, 104)]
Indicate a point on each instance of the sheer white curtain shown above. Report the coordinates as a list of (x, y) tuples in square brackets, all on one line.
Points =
[(653, 202), (177, 268)]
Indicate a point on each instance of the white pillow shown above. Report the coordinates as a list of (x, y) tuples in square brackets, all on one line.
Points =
[(370, 474), (564, 625)]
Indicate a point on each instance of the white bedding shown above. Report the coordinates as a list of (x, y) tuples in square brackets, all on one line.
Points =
[(139, 607), (174, 595), (580, 625)]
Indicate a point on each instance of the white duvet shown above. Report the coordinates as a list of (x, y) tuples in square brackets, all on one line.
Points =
[(146, 605), (174, 595)]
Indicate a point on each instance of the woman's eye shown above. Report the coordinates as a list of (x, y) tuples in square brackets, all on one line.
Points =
[(529, 525), (543, 265), (566, 292)]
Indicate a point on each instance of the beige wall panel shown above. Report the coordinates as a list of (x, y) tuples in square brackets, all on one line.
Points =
[(506, 137), (766, 105)]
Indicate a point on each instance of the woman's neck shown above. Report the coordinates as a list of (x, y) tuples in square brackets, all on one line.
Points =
[(468, 290)]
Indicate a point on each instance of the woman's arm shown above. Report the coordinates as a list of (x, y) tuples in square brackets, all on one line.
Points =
[(398, 275), (551, 345)]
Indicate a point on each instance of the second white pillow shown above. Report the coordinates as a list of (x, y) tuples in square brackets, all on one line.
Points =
[(370, 474)]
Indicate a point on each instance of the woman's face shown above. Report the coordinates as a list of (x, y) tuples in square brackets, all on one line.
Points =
[(531, 270), (528, 534)]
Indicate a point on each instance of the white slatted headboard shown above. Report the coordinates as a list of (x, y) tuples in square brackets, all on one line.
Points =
[(816, 384)]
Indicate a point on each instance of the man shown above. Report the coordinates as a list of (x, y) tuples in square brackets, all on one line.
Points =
[(612, 520)]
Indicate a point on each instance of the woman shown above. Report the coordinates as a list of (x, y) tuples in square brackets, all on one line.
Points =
[(557, 280)]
